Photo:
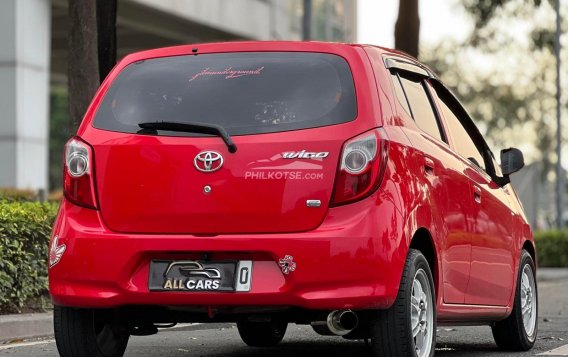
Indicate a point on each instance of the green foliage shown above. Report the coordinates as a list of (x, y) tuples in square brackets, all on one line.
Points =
[(504, 74), (482, 10), (14, 194), (543, 39), (25, 228), (552, 248)]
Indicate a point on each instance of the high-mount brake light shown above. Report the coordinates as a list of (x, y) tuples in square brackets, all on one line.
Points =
[(77, 173), (363, 162)]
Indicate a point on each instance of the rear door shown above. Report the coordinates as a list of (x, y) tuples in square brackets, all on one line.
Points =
[(492, 256), (284, 112), (448, 187)]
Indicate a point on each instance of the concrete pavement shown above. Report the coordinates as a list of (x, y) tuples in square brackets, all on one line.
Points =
[(28, 326), (551, 274), (23, 326)]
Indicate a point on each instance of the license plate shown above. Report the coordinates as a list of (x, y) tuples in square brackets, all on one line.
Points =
[(194, 275)]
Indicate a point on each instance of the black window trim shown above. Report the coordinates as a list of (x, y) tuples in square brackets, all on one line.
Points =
[(467, 122), (433, 106), (441, 125), (399, 64), (405, 95)]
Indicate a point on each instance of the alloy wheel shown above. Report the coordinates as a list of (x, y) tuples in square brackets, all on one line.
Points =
[(528, 300), (422, 314)]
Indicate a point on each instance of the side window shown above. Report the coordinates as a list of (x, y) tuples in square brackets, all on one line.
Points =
[(465, 146), (421, 107), (400, 93)]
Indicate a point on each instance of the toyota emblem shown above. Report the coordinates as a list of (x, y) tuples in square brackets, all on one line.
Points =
[(208, 161)]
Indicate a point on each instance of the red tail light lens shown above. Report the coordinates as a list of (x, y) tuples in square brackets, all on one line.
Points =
[(362, 166), (78, 184)]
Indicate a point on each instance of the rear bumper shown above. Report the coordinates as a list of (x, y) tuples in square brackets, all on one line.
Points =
[(354, 260)]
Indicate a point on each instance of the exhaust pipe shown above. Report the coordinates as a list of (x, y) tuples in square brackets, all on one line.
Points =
[(338, 322)]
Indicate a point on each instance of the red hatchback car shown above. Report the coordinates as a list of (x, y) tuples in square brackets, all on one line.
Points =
[(267, 183)]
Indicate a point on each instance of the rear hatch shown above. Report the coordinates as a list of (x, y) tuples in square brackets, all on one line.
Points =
[(283, 111)]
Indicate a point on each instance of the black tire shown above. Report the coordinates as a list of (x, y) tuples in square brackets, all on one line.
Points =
[(262, 334), (511, 334), (87, 332), (391, 330)]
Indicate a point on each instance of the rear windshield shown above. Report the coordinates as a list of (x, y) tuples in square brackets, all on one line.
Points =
[(246, 93)]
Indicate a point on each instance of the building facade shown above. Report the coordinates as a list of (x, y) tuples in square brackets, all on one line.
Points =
[(33, 36)]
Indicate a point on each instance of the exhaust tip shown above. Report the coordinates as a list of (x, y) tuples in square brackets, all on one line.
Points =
[(348, 320), (341, 322)]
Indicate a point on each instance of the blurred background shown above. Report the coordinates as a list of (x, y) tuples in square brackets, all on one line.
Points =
[(498, 56)]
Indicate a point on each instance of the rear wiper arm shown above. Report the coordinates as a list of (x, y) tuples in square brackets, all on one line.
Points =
[(201, 128)]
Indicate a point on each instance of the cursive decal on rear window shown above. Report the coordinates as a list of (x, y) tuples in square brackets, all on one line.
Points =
[(228, 73)]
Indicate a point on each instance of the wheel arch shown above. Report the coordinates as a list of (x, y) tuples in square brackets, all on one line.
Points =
[(423, 241), (528, 245)]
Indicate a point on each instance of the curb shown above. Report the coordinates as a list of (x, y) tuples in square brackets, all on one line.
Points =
[(551, 274), (25, 326), (22, 326)]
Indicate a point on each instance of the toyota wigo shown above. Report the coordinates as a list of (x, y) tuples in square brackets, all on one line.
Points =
[(268, 183)]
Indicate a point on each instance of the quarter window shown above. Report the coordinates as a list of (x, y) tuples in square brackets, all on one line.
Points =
[(400, 93), (421, 107)]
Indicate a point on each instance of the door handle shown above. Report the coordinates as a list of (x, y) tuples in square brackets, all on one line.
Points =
[(428, 166), (477, 194)]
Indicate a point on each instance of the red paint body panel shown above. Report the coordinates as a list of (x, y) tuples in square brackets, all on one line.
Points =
[(253, 192), (493, 254), (151, 205), (105, 269)]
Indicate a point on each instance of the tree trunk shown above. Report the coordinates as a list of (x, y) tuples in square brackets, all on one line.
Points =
[(307, 21), (407, 28), (106, 30), (83, 71)]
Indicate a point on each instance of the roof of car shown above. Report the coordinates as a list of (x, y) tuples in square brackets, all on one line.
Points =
[(246, 46), (269, 46), (238, 46)]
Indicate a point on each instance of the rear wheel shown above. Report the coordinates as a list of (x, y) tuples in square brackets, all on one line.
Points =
[(518, 331), (87, 332), (262, 334), (408, 328)]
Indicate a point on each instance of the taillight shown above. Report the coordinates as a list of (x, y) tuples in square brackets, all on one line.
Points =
[(78, 182), (362, 167)]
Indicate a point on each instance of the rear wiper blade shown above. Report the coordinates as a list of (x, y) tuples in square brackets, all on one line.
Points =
[(201, 128)]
